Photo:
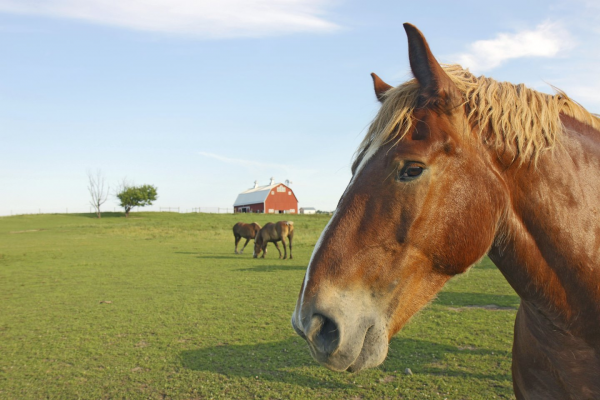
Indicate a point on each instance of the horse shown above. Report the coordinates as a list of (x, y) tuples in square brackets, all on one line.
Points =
[(274, 232), (246, 231), (454, 167)]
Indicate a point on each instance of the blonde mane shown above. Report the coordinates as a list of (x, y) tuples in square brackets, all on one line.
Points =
[(514, 114)]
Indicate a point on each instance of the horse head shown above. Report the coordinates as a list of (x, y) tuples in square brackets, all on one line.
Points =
[(423, 205), (258, 243)]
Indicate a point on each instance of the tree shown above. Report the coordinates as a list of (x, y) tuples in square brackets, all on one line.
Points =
[(98, 190), (136, 196)]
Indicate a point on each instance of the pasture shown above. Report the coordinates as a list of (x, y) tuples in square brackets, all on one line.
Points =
[(159, 306)]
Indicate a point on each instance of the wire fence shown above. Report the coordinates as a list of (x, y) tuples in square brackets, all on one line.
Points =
[(212, 210), (206, 210), (66, 210), (90, 210)]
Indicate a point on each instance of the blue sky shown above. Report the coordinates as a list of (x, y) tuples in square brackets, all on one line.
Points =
[(202, 98)]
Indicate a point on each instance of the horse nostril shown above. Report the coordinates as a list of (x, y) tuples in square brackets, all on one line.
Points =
[(324, 334)]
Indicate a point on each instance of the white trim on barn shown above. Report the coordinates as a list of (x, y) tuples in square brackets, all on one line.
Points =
[(269, 198), (253, 196)]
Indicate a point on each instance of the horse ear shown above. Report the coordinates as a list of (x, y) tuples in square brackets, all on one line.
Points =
[(380, 86), (428, 72)]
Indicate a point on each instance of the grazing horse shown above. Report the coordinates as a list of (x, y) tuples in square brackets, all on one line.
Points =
[(246, 231), (455, 167), (274, 232)]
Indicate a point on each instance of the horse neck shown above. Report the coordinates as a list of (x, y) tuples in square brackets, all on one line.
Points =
[(548, 244)]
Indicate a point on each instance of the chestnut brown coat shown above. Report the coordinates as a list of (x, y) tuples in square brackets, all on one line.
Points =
[(274, 232), (246, 231), (455, 167)]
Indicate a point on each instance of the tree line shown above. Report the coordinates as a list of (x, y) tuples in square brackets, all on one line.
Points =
[(128, 194)]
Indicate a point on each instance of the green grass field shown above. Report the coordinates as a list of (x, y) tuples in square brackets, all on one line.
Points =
[(158, 306)]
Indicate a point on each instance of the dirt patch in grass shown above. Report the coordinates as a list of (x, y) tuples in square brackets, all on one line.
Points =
[(29, 230), (387, 379)]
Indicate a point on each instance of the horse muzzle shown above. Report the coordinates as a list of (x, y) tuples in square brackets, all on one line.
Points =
[(342, 341)]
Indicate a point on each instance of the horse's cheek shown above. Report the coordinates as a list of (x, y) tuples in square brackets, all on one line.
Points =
[(467, 228)]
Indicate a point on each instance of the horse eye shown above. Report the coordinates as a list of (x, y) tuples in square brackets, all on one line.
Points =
[(410, 172)]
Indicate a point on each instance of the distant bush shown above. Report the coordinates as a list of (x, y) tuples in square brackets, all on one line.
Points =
[(324, 212), (136, 196)]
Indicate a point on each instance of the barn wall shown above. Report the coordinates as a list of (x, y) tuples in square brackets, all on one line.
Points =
[(255, 208), (281, 200)]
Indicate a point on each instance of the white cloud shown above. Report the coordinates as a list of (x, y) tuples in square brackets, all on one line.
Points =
[(546, 40), (585, 94), (202, 18)]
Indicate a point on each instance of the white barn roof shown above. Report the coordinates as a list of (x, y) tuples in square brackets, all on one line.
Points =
[(254, 195)]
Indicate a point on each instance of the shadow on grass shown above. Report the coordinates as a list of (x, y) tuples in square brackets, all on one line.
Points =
[(273, 361), (269, 361), (257, 268), (104, 215), (233, 256), (273, 268), (459, 299), (427, 357)]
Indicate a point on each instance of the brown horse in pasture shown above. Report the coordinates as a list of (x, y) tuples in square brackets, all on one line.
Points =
[(274, 232), (455, 167), (246, 231)]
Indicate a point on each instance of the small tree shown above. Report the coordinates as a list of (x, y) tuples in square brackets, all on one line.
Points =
[(136, 196), (98, 190)]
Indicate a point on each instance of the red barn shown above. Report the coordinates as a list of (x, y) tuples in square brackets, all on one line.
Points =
[(275, 198)]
